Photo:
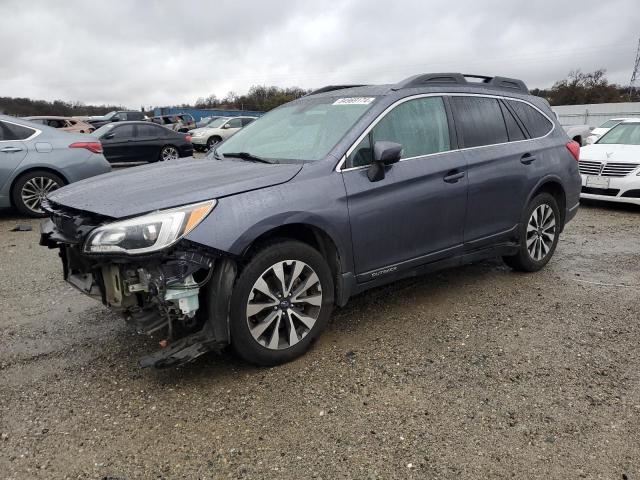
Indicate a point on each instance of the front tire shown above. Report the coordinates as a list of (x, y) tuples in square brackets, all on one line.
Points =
[(539, 232), (31, 188), (211, 141), (281, 302)]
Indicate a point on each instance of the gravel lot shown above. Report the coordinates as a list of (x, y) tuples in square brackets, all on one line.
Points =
[(476, 372)]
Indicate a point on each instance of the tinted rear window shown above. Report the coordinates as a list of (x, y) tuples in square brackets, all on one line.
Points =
[(536, 124), (479, 121), (11, 131)]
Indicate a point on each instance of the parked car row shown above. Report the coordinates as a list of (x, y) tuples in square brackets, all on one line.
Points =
[(66, 124)]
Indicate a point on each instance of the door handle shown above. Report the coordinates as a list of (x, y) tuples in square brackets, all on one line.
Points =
[(527, 158), (453, 176), (11, 149)]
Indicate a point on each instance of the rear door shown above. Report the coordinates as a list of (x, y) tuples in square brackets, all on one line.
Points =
[(416, 213), (496, 155), (149, 141), (12, 149)]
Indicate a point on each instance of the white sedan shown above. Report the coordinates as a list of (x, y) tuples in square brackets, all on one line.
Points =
[(610, 168)]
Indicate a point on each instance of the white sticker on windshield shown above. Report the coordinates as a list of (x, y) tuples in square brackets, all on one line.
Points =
[(354, 101)]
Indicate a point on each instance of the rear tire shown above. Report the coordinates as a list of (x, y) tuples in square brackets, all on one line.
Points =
[(274, 321), (31, 188), (169, 152), (539, 232)]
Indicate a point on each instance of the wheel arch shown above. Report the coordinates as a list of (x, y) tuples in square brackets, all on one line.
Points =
[(35, 168), (308, 233), (554, 187)]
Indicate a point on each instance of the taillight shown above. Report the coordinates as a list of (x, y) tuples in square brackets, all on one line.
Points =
[(187, 138), (95, 147), (574, 149)]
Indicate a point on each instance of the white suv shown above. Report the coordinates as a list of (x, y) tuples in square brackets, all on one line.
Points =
[(218, 130)]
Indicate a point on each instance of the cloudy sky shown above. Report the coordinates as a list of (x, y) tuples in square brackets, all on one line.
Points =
[(157, 52)]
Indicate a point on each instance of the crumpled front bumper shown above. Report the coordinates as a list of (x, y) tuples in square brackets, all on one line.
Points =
[(182, 294)]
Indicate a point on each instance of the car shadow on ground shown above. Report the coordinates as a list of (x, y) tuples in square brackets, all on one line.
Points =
[(611, 206)]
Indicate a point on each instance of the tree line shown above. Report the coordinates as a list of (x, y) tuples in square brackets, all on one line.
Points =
[(576, 89)]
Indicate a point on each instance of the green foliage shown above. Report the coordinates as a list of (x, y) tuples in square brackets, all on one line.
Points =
[(583, 88), (25, 107), (259, 98)]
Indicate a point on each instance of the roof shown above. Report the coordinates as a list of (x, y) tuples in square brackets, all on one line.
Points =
[(52, 117)]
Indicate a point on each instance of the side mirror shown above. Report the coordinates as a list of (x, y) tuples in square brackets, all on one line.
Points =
[(384, 155), (115, 119), (591, 140), (109, 136), (225, 126)]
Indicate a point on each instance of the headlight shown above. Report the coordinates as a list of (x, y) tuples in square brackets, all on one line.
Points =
[(198, 134), (148, 233)]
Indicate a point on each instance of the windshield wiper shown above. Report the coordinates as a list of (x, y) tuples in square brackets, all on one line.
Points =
[(246, 156)]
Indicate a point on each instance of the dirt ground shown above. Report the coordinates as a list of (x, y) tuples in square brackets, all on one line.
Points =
[(475, 372)]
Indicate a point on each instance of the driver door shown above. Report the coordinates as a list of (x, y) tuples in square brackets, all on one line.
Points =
[(416, 213)]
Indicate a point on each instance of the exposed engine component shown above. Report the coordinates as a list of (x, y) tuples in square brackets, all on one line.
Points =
[(185, 295)]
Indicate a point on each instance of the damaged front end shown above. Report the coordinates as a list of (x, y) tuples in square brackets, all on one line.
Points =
[(177, 293)]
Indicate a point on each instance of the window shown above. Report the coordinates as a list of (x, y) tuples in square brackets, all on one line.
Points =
[(419, 125), (513, 129), (123, 131), (479, 121), (304, 130), (234, 123), (39, 121), (121, 115), (536, 124), (623, 134), (11, 131), (150, 131), (246, 121)]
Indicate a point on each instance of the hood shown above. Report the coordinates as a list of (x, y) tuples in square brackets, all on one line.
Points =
[(156, 186), (611, 153)]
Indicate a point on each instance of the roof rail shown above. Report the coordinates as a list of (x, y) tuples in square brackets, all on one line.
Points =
[(331, 88), (427, 79)]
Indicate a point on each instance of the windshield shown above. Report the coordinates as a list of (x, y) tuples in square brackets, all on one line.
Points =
[(99, 132), (108, 116), (623, 134), (609, 124), (216, 123), (303, 130)]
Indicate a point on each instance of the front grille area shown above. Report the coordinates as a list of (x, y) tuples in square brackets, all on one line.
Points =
[(609, 192), (591, 167), (632, 193), (618, 169), (587, 167)]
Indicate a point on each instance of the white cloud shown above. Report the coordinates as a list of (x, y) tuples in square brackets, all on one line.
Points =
[(166, 52)]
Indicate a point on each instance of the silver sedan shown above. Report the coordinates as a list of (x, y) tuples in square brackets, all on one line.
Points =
[(35, 160)]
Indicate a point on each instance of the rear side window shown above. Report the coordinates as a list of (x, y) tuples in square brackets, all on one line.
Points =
[(513, 129), (246, 121), (124, 131), (150, 131), (419, 125), (479, 121), (11, 131), (234, 123), (536, 124)]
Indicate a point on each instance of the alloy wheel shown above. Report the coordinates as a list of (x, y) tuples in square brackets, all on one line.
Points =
[(35, 190), (541, 232), (169, 153), (284, 304)]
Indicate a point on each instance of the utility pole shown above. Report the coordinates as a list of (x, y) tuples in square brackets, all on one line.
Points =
[(635, 74)]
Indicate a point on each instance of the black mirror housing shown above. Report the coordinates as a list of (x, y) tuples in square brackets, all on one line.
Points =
[(387, 153), (384, 154)]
